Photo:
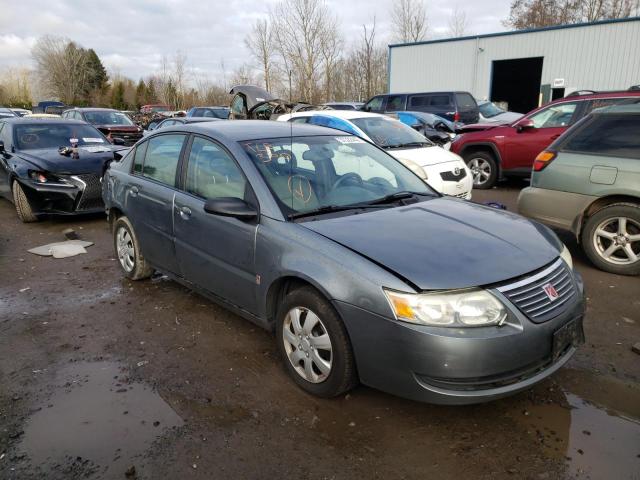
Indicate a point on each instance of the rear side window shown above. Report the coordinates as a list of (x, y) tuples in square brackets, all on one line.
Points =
[(161, 158), (611, 134), (419, 101), (607, 102), (198, 112), (465, 101)]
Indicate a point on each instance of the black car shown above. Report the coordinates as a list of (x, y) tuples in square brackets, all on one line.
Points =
[(52, 166), (455, 106), (117, 126)]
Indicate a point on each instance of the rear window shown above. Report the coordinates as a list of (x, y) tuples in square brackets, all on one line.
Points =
[(611, 134), (466, 101)]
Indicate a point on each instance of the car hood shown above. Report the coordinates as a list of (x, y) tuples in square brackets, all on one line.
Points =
[(504, 118), (118, 128), (425, 156), (477, 127), (48, 159), (445, 243)]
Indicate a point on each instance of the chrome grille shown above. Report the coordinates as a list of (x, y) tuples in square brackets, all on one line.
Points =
[(530, 297), (91, 196)]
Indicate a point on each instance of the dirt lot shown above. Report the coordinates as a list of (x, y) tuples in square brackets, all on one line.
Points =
[(105, 378)]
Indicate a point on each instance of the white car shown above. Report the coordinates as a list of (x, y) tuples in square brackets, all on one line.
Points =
[(491, 113), (443, 170)]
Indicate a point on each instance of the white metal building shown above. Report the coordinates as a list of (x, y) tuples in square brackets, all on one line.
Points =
[(523, 68)]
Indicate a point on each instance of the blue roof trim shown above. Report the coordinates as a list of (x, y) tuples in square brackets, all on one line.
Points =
[(516, 32)]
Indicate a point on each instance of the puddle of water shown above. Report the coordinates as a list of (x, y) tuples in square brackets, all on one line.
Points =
[(85, 417), (597, 443)]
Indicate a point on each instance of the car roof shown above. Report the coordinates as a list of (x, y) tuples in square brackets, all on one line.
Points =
[(240, 130), (93, 109), (36, 120), (344, 114)]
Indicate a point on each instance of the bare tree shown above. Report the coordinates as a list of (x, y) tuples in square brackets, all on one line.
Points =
[(61, 68), (243, 75), (458, 23), (260, 42), (544, 13), (179, 78), (302, 28), (409, 20), (15, 88)]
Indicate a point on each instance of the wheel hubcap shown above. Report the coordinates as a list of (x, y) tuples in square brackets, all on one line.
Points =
[(124, 248), (307, 344), (480, 169), (617, 240)]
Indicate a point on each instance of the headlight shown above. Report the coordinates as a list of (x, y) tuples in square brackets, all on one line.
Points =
[(459, 308), (49, 179), (566, 256)]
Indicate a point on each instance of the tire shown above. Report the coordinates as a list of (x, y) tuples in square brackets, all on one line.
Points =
[(484, 169), (128, 253), (21, 202), (341, 376), (613, 244)]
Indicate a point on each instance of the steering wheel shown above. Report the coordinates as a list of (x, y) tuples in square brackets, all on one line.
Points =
[(283, 161), (351, 176), (380, 182)]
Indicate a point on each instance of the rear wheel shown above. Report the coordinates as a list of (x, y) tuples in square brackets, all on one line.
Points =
[(611, 239), (314, 345), (128, 252), (21, 202), (484, 169)]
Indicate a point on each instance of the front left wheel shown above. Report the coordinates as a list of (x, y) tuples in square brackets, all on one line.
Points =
[(21, 202), (314, 345)]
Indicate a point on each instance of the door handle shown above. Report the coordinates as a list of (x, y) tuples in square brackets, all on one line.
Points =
[(134, 191), (185, 212)]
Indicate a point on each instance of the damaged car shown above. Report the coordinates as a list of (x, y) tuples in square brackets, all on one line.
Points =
[(251, 102), (50, 166), (113, 123)]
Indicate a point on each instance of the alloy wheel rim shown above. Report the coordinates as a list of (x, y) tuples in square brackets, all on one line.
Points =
[(307, 344), (480, 169), (617, 240), (125, 250)]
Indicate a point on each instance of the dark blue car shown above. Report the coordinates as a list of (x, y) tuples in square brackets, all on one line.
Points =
[(363, 271)]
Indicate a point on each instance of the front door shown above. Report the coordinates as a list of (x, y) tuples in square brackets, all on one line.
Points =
[(215, 252), (150, 196), (548, 124)]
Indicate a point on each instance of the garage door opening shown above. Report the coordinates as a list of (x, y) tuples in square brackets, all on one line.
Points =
[(517, 82)]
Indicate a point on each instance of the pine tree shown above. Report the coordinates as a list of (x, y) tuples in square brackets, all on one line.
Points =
[(141, 92)]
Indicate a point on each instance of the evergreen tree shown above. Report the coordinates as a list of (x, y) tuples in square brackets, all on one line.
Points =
[(117, 96), (141, 92)]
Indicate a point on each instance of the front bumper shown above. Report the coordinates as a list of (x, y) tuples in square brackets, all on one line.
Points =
[(457, 366), (82, 194), (442, 178)]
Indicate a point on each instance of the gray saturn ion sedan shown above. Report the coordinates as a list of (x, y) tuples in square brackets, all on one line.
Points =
[(364, 272)]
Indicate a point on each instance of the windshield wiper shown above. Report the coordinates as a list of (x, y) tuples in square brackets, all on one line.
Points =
[(333, 208), (395, 197), (408, 145)]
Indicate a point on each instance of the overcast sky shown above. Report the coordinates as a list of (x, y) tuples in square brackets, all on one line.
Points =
[(131, 36)]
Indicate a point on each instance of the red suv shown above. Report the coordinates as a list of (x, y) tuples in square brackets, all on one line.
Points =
[(496, 151)]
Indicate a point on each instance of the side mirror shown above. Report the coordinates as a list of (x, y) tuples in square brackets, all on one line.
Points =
[(230, 207), (117, 141), (524, 124), (417, 127)]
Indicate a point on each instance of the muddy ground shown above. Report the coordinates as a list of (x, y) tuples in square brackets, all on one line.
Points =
[(105, 378)]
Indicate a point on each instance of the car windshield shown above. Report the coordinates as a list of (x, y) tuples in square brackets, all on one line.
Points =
[(107, 118), (489, 109), (54, 135), (159, 109), (306, 174), (389, 133)]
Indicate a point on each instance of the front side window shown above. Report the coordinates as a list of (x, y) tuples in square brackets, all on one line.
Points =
[(558, 115), (610, 134), (138, 157), (212, 173), (346, 170), (388, 133), (374, 105), (161, 158), (395, 103), (238, 107)]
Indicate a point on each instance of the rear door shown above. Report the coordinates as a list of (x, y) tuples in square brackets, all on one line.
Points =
[(150, 195), (215, 252), (549, 123), (441, 104), (467, 107), (396, 103)]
